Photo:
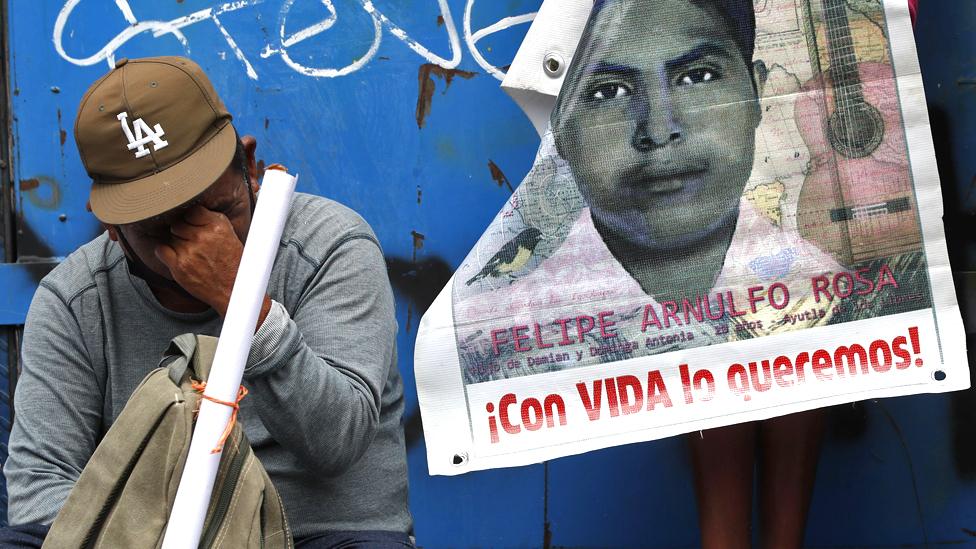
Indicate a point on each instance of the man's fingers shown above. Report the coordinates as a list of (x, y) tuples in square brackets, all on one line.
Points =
[(182, 230), (199, 216), (166, 254)]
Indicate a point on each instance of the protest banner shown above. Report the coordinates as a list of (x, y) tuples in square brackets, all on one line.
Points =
[(735, 214)]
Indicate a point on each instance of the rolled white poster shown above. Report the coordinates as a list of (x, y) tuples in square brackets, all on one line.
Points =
[(193, 495)]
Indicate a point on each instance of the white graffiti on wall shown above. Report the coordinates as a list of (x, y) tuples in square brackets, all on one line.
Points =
[(381, 23)]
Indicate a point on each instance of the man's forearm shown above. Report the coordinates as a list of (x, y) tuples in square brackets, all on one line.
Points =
[(317, 380)]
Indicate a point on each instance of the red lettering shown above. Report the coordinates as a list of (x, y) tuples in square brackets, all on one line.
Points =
[(706, 377), (913, 333), (821, 284), (657, 392), (533, 405), (753, 298), (690, 310), (778, 305), (650, 319), (801, 359), (625, 386), (738, 379), (761, 375), (592, 406), (580, 330), (782, 367), (670, 311), (492, 424), (848, 287), (721, 308), (866, 283), (503, 405), (685, 383), (496, 340), (611, 387), (886, 278), (538, 338), (565, 332), (555, 406), (853, 355), (898, 347), (821, 362), (884, 363), (519, 337), (732, 310), (606, 324)]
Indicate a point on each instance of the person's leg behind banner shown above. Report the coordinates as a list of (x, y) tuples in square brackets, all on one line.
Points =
[(723, 461), (790, 447)]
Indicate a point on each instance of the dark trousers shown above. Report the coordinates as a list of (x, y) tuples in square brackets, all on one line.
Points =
[(356, 540), (31, 536), (27, 536)]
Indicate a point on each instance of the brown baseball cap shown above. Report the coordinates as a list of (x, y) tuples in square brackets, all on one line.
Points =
[(152, 134)]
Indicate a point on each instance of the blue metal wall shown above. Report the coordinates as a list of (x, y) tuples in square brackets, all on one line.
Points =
[(371, 109)]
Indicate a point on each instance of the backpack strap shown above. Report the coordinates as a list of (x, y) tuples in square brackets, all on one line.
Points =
[(189, 351), (203, 356), (177, 356)]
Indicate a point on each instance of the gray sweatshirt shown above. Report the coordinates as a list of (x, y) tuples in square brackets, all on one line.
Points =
[(323, 413)]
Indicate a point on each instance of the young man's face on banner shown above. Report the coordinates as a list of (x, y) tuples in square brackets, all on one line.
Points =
[(659, 124)]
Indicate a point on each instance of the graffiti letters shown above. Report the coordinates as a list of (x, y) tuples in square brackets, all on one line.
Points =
[(381, 24)]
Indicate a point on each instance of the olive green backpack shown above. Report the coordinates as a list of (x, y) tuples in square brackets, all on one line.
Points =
[(124, 496)]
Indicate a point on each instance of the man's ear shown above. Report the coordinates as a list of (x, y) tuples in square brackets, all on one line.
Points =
[(110, 228), (113, 232), (251, 145)]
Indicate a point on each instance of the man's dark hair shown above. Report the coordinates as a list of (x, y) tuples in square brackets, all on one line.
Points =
[(239, 163), (739, 14)]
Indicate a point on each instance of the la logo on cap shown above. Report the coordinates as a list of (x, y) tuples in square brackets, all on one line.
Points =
[(143, 135)]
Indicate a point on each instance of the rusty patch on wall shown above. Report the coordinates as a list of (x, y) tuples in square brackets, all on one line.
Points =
[(418, 243), (31, 188), (499, 176), (63, 134), (427, 86)]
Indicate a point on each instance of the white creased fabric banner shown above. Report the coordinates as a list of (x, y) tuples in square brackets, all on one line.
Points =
[(734, 214)]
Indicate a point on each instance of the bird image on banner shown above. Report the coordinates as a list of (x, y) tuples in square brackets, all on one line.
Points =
[(513, 256)]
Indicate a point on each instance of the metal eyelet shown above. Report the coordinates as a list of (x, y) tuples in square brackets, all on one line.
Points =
[(554, 65)]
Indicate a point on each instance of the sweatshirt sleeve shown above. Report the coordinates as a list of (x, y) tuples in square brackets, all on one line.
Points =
[(316, 376), (57, 413)]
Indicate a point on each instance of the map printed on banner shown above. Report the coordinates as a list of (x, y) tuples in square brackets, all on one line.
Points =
[(734, 215)]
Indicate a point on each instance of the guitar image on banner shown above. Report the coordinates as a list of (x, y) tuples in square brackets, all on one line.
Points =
[(857, 201)]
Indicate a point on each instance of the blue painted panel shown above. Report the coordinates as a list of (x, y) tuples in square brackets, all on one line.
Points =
[(946, 43), (631, 496), (500, 508), (901, 475), (19, 281)]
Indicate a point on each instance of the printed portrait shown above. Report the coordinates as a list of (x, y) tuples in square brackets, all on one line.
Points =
[(714, 170)]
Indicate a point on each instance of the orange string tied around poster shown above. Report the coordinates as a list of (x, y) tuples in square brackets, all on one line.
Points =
[(200, 386)]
